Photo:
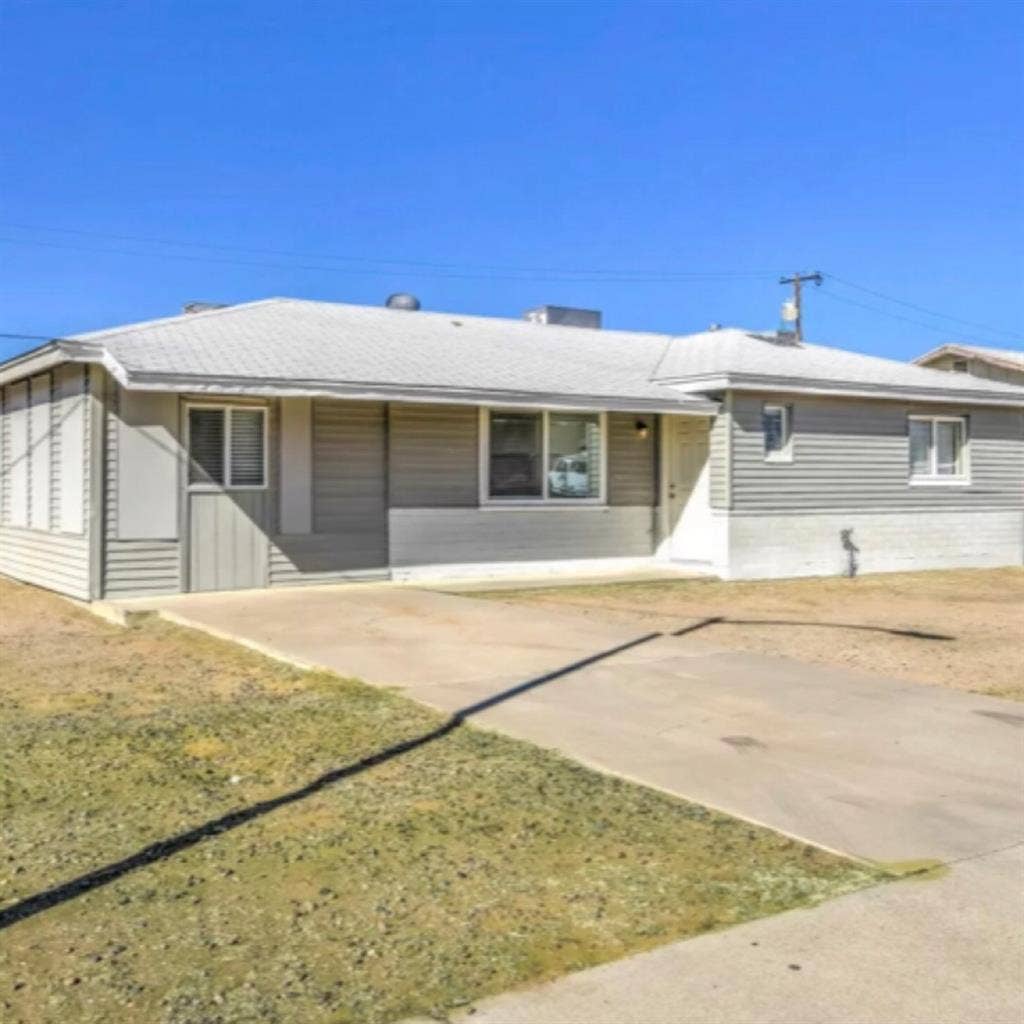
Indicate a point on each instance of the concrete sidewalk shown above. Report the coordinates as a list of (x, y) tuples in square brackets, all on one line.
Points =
[(914, 952), (872, 767)]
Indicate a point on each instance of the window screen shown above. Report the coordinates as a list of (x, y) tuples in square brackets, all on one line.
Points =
[(574, 455), (938, 447), (920, 447), (212, 432), (775, 423), (247, 447), (206, 446), (948, 439), (515, 455)]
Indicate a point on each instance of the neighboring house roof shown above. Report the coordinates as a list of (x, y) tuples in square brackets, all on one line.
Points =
[(291, 346), (1009, 358)]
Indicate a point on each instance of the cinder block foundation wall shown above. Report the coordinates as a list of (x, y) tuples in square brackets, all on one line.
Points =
[(765, 545)]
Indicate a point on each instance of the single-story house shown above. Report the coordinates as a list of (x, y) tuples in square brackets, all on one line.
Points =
[(991, 363), (284, 442)]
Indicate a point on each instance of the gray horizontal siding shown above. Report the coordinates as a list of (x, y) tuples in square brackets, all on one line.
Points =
[(457, 536), (53, 560), (142, 567), (433, 453), (632, 473), (350, 480), (719, 458), (854, 454), (323, 558)]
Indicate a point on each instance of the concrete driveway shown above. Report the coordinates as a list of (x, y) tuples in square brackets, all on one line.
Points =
[(872, 767)]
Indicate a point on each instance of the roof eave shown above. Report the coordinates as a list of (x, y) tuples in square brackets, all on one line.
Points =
[(848, 389), (967, 352), (48, 355), (697, 405)]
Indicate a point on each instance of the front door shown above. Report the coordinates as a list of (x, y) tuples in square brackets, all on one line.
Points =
[(227, 497), (687, 485)]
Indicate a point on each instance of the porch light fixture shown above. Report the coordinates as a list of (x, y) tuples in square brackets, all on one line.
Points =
[(642, 430)]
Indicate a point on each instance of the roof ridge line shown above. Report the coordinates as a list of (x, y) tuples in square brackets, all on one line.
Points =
[(148, 325)]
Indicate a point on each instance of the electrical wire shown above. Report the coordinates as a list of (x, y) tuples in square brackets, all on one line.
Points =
[(496, 272), (896, 316), (923, 309), (583, 274)]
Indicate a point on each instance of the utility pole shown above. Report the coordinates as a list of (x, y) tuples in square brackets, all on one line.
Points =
[(797, 281)]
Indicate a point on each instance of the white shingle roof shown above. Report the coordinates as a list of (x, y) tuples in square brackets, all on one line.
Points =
[(282, 340), (743, 358), (317, 346)]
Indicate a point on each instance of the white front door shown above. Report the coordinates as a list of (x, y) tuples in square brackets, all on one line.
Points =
[(690, 523)]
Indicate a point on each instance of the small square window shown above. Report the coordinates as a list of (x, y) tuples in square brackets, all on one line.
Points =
[(938, 449), (778, 441), (227, 446)]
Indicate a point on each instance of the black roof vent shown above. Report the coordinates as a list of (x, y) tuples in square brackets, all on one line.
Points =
[(402, 300)]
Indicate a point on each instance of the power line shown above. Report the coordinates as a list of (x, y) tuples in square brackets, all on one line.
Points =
[(590, 273), (922, 309), (445, 270), (896, 316)]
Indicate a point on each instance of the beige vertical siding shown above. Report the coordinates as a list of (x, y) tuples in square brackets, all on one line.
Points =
[(43, 458), (71, 405), (228, 546)]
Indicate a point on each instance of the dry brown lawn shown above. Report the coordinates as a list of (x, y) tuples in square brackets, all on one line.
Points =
[(963, 629), (452, 870)]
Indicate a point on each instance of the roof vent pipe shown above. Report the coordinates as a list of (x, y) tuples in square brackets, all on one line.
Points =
[(402, 300)]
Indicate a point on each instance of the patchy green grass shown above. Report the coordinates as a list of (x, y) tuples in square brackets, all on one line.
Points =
[(467, 866)]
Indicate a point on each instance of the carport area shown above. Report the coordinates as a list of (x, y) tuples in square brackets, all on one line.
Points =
[(871, 767)]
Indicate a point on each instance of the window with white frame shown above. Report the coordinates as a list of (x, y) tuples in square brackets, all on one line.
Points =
[(776, 422), (227, 446), (543, 456), (938, 449)]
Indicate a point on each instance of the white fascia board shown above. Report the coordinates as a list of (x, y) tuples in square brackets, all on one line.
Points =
[(53, 353), (903, 393), (36, 360), (141, 381), (935, 353)]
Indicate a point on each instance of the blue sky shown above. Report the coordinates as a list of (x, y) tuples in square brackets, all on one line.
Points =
[(880, 143)]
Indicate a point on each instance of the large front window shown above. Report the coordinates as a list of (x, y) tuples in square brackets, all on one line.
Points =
[(544, 456), (938, 449)]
